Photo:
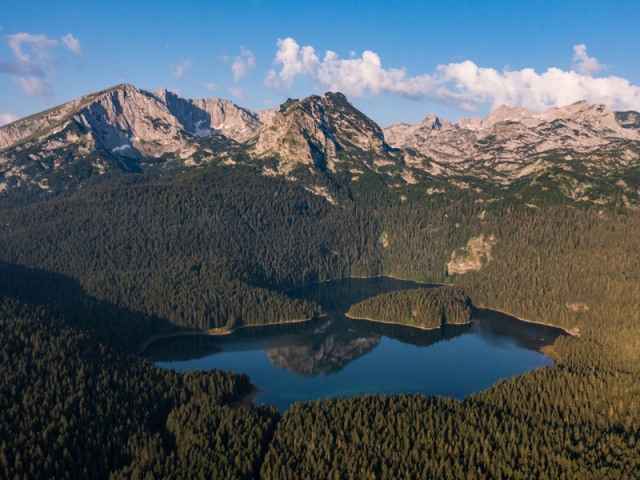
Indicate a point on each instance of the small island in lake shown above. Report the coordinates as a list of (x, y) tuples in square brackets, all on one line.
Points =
[(426, 308)]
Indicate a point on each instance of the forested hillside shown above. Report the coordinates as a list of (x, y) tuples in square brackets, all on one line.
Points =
[(578, 420), (87, 278), (427, 308), (74, 403)]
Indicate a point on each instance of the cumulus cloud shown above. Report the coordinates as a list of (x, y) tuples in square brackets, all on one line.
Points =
[(270, 103), (239, 93), (534, 91), (6, 118), (353, 76), (464, 84), (583, 63), (73, 44), (34, 86), (210, 86), (242, 63), (182, 67)]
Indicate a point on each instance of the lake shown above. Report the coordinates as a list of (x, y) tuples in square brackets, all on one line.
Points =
[(337, 356)]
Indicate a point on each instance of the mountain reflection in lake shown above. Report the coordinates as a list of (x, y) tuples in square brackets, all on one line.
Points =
[(337, 356)]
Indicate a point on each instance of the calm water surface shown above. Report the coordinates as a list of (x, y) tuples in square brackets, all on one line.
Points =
[(336, 356)]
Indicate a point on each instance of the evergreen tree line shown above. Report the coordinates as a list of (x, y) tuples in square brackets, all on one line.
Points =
[(73, 406), (429, 308), (216, 249), (578, 420)]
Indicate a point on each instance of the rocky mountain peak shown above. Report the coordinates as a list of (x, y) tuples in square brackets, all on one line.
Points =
[(413, 135), (319, 131), (133, 123), (598, 117)]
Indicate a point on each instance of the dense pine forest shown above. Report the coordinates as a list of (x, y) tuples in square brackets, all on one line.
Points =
[(86, 279), (427, 308)]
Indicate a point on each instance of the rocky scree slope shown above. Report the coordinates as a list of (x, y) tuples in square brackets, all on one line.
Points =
[(513, 142), (120, 128)]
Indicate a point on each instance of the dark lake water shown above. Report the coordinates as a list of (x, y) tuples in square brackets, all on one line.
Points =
[(336, 356)]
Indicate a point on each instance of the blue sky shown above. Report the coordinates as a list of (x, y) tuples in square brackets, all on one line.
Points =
[(484, 46)]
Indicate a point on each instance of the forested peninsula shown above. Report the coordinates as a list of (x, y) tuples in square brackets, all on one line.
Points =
[(426, 308)]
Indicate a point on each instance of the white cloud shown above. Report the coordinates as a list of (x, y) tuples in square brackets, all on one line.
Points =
[(73, 44), (243, 63), (534, 91), (181, 68), (583, 63), (34, 86), (22, 64), (31, 57), (210, 86), (239, 93), (463, 84), (353, 76), (224, 58), (270, 103), (39, 44), (6, 118)]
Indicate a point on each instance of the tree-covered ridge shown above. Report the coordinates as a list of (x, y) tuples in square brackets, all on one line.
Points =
[(208, 250), (197, 254), (74, 403), (578, 420), (214, 249), (211, 441), (427, 308)]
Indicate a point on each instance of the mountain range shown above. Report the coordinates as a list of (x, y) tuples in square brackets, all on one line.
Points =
[(578, 154)]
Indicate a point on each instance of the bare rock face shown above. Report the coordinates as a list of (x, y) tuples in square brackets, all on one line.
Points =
[(598, 117), (513, 142), (415, 135), (130, 122), (319, 131), (472, 257), (203, 117), (127, 129), (123, 125), (24, 127)]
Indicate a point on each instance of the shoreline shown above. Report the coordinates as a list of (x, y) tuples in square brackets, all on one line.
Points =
[(215, 332), (568, 332), (246, 401), (365, 278), (404, 324)]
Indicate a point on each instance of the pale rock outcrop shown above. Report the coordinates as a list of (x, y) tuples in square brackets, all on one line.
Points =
[(130, 122), (313, 130), (203, 117), (472, 257), (513, 142), (24, 127)]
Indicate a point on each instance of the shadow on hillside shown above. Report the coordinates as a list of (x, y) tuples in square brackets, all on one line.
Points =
[(64, 297)]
